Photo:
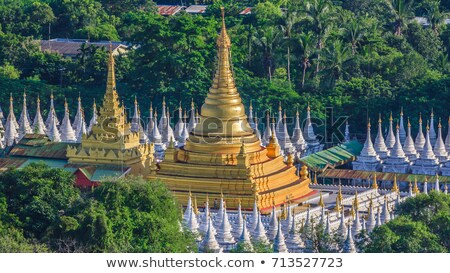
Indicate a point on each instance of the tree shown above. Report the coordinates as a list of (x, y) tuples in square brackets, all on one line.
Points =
[(321, 15), (434, 14), (306, 43), (402, 10), (290, 19), (268, 39), (9, 71), (335, 58), (403, 235)]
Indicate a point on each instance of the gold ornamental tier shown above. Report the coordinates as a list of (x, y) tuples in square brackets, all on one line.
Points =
[(224, 156)]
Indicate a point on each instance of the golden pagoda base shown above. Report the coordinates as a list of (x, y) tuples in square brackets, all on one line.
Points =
[(208, 175)]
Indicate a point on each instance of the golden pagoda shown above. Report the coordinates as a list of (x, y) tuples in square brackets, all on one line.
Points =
[(223, 154), (111, 142)]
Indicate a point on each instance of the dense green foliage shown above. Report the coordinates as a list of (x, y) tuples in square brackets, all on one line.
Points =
[(360, 57), (40, 210), (423, 225)]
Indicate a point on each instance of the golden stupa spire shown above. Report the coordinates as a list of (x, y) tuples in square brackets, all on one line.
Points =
[(340, 194), (337, 207), (321, 201), (416, 188), (315, 179), (394, 186), (195, 205), (356, 202), (374, 184)]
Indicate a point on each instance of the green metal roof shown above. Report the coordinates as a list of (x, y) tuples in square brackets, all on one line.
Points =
[(39, 146), (352, 174), (333, 157)]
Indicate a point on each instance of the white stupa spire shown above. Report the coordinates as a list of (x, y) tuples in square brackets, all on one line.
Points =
[(224, 235), (38, 125), (279, 245), (180, 123), (349, 244), (67, 132), (294, 241), (378, 223), (432, 131), (380, 145), (77, 121), (397, 149), (150, 124), (427, 152), (53, 132), (51, 113), (279, 127), (368, 149), (24, 121), (219, 215), (420, 139), (297, 136), (371, 222), (447, 139), (436, 184), (81, 130), (250, 116), (342, 230), (287, 223), (254, 218), (209, 243), (163, 119), (259, 234), (192, 223), (244, 239), (439, 146), (187, 212), (273, 225), (135, 120), (184, 133), (408, 147), (267, 131), (237, 226), (385, 215), (11, 133), (308, 130), (425, 186), (257, 132), (156, 135), (94, 118), (390, 138), (192, 121), (168, 131), (402, 128), (205, 218)]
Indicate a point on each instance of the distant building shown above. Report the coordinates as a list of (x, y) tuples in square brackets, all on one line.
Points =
[(246, 11), (70, 48), (196, 9), (169, 10)]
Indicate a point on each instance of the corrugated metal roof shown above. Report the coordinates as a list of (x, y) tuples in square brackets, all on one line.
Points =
[(168, 10), (333, 157), (246, 11), (351, 174), (196, 9), (6, 163), (97, 172), (71, 48), (39, 146)]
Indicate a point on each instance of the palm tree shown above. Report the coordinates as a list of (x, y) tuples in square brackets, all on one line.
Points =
[(434, 16), (290, 19), (403, 11), (355, 33), (306, 42), (321, 15), (335, 58), (268, 40)]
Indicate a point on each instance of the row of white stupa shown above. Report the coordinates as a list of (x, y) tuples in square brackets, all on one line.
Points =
[(222, 231), (428, 154), (160, 133)]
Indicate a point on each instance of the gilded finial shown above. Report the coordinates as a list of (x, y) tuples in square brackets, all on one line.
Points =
[(374, 184), (279, 106), (416, 188), (432, 112), (394, 186), (192, 103), (428, 126), (290, 160), (340, 194), (368, 124), (309, 108), (420, 118), (439, 124), (251, 106), (135, 100), (298, 114), (321, 201), (38, 99), (94, 105), (356, 202), (151, 106), (390, 117), (315, 179), (397, 127), (401, 111), (409, 123), (51, 95), (284, 116), (164, 101), (379, 117)]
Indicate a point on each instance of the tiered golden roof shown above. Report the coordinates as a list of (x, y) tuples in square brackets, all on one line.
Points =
[(111, 142), (223, 154)]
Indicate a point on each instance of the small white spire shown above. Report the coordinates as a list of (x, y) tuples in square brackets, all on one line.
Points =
[(390, 138), (11, 133), (53, 132), (420, 139), (209, 243), (51, 114), (279, 245), (273, 225), (24, 121), (77, 121), (38, 125), (237, 226), (224, 235), (244, 239), (259, 234), (94, 118), (380, 145), (349, 244), (67, 133), (267, 131), (385, 215)]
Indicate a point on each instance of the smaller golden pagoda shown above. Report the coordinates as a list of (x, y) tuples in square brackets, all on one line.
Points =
[(111, 142)]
